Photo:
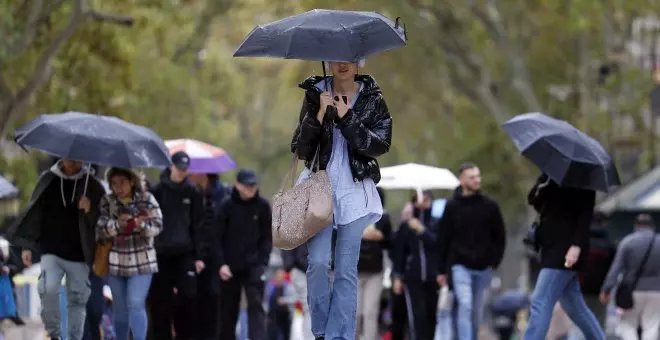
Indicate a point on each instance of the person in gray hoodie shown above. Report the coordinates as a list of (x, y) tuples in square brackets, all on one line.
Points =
[(629, 259), (58, 223)]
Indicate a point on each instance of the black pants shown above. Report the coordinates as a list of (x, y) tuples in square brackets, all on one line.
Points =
[(505, 333), (399, 317), (95, 306), (208, 294), (279, 326), (422, 300), (230, 299), (173, 272)]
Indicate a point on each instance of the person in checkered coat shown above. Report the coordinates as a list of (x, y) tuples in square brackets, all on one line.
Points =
[(131, 218)]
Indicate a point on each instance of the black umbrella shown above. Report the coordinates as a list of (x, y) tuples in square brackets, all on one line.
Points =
[(324, 35), (569, 156), (102, 140)]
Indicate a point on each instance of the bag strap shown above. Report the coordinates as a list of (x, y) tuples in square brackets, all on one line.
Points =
[(643, 264), (294, 166)]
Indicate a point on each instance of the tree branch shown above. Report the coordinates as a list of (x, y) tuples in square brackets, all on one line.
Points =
[(125, 20), (34, 16), (521, 79), (202, 31), (42, 71)]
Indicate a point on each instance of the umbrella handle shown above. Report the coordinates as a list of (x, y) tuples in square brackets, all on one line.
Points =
[(420, 195), (86, 182)]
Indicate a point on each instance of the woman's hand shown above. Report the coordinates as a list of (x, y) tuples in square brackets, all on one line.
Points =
[(326, 100), (141, 220), (572, 256), (342, 108)]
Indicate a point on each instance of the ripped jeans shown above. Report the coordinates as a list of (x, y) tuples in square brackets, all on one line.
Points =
[(53, 270)]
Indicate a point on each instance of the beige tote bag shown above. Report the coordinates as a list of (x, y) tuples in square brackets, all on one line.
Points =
[(301, 211)]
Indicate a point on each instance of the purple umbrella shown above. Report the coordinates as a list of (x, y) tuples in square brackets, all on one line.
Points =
[(204, 158)]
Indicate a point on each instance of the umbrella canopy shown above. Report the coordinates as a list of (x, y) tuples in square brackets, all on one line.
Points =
[(324, 35), (204, 158), (7, 189), (102, 140), (417, 177), (569, 156)]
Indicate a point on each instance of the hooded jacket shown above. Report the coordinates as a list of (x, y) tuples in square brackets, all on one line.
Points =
[(26, 231), (183, 213), (472, 233), (244, 232)]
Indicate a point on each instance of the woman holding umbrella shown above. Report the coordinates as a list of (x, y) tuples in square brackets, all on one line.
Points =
[(563, 240), (345, 120), (573, 167)]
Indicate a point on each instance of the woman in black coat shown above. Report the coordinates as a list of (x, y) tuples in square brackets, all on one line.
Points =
[(563, 240)]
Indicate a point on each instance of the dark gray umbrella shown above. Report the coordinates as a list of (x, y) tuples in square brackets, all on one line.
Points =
[(96, 139), (324, 35), (7, 189), (569, 156)]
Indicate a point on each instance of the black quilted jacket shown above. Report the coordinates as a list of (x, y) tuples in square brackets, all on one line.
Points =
[(367, 128)]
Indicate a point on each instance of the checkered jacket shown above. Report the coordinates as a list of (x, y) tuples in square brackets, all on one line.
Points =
[(132, 250)]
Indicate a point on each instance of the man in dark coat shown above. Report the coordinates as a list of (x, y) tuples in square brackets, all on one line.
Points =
[(471, 245), (245, 239), (180, 252)]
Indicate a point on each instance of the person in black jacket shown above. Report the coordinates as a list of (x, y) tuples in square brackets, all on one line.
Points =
[(179, 252), (471, 245), (563, 240), (415, 268), (375, 240), (245, 242), (208, 282)]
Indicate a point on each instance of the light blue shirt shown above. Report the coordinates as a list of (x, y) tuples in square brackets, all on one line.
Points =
[(352, 200)]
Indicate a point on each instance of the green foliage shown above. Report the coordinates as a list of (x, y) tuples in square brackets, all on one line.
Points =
[(468, 66)]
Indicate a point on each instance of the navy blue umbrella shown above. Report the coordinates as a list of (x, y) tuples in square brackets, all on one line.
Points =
[(96, 139), (7, 189), (569, 156), (324, 35)]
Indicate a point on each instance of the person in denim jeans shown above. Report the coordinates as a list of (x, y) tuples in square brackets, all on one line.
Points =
[(472, 239), (563, 240), (345, 121), (59, 223), (130, 217)]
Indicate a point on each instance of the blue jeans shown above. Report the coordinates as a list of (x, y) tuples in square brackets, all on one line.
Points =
[(560, 285), (333, 308), (470, 290), (128, 305)]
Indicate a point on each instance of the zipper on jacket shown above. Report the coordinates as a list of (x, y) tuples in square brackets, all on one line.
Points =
[(422, 259), (366, 197)]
